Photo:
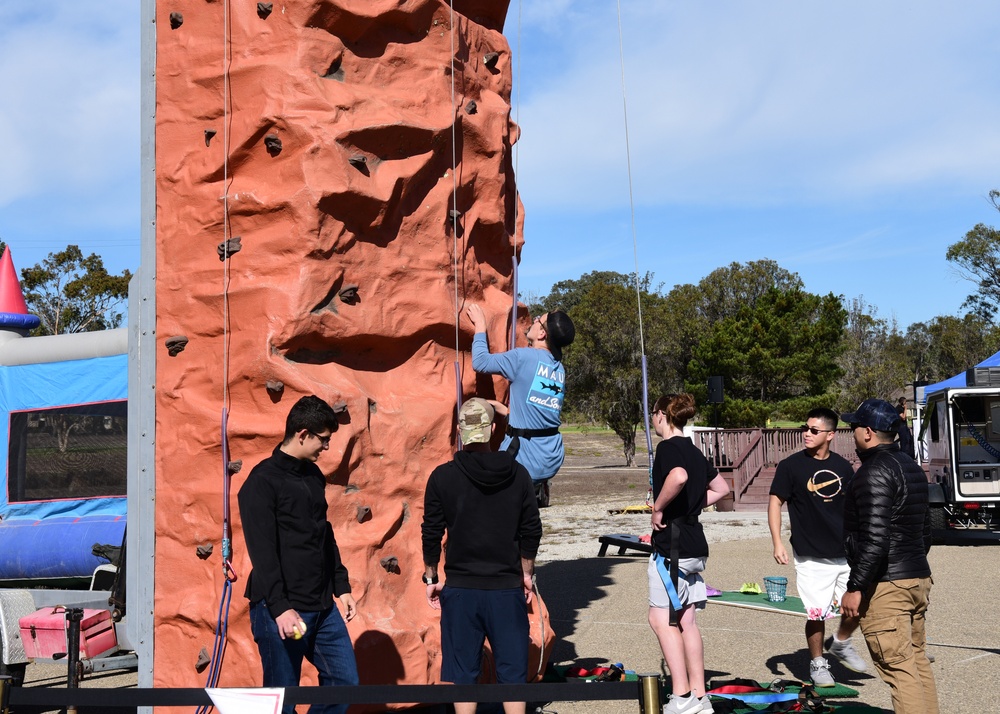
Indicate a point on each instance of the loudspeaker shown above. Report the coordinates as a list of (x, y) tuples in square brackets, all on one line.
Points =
[(715, 390)]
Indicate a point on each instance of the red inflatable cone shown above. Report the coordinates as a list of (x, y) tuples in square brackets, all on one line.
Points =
[(11, 297), (13, 309)]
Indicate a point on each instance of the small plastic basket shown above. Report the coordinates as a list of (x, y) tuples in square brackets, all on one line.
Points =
[(775, 588)]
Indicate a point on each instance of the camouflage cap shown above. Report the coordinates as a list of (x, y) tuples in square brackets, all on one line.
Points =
[(475, 419)]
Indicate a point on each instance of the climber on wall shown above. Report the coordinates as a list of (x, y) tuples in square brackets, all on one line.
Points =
[(537, 387)]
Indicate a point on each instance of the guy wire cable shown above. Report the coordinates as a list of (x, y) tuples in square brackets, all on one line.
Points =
[(635, 254)]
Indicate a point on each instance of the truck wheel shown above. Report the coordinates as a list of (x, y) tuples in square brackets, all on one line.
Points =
[(939, 522)]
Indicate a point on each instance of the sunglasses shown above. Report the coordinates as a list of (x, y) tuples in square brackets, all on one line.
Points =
[(813, 430), (324, 440)]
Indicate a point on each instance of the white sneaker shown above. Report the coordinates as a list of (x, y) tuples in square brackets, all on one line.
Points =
[(706, 705), (845, 652), (819, 673), (683, 705)]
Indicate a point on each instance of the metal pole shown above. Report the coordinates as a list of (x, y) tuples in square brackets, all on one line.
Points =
[(74, 616), (718, 456), (649, 693)]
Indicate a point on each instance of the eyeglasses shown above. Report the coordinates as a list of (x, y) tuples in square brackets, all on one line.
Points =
[(813, 430), (324, 440)]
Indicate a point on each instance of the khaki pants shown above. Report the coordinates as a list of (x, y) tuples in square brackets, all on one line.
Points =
[(893, 626)]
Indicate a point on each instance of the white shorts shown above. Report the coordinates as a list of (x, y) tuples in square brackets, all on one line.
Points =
[(821, 583), (691, 590)]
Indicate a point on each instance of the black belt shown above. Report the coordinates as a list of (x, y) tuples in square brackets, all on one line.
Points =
[(530, 433)]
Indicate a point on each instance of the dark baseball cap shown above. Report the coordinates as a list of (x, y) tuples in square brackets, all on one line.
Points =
[(876, 414)]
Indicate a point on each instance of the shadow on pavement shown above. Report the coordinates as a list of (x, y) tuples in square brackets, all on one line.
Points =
[(797, 663), (568, 587)]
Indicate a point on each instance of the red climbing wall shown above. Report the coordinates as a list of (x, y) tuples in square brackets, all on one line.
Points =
[(340, 190)]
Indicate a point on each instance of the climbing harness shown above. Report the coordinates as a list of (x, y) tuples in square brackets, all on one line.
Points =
[(742, 694), (532, 433), (668, 578)]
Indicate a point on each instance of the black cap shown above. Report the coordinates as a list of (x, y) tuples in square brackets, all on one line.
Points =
[(876, 414), (559, 332)]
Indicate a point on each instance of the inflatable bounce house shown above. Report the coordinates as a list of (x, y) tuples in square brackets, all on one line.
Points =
[(63, 404), (333, 184)]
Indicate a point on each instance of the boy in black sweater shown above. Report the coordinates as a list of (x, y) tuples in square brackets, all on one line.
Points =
[(486, 502)]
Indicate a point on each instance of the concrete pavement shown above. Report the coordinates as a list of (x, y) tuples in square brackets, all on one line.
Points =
[(598, 609)]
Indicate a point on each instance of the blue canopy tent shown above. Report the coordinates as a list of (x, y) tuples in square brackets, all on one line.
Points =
[(959, 379)]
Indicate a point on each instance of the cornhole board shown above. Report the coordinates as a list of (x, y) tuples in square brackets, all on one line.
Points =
[(624, 542), (791, 605), (44, 635)]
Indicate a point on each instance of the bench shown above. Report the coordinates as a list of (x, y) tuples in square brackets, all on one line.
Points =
[(624, 542)]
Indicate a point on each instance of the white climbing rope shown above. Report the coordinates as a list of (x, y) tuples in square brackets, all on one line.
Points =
[(454, 213), (635, 248), (517, 157), (226, 59)]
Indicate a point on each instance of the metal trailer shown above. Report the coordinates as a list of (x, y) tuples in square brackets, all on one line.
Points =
[(960, 434)]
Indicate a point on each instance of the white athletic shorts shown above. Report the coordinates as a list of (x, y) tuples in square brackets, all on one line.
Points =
[(821, 583), (692, 586)]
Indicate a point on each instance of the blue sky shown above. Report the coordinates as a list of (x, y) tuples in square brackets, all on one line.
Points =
[(851, 142)]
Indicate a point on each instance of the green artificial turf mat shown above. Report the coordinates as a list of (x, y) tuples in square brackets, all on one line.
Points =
[(791, 605)]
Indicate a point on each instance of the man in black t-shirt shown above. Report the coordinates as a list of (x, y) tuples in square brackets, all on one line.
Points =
[(812, 482)]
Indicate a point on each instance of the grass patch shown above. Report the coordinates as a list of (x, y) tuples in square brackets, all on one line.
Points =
[(585, 429)]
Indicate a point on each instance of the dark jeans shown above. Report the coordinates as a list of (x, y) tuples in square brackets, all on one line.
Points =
[(327, 645)]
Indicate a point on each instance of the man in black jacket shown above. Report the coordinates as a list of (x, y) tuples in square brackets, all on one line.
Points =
[(887, 535), (297, 569), (486, 503)]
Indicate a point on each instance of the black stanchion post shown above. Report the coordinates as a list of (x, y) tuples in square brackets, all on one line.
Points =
[(74, 616), (649, 693), (6, 683)]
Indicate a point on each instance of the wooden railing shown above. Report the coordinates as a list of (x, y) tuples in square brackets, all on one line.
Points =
[(742, 454), (738, 453)]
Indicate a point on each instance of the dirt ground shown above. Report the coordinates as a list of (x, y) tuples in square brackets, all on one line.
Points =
[(595, 469)]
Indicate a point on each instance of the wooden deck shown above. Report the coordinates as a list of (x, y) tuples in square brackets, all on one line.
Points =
[(747, 459)]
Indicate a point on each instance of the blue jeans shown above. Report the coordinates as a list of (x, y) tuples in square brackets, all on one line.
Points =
[(327, 645)]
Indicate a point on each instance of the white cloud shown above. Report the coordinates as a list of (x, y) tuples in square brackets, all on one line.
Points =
[(758, 104), (70, 107)]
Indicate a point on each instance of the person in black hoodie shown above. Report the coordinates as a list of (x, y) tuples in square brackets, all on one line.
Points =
[(297, 570), (887, 534), (486, 502)]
